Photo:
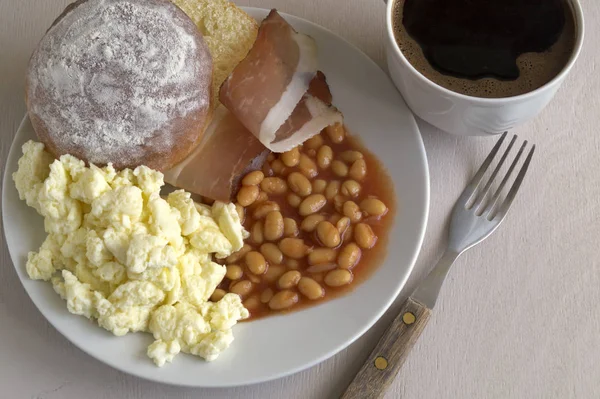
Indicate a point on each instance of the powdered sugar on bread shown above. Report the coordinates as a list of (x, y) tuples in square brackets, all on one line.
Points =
[(118, 81)]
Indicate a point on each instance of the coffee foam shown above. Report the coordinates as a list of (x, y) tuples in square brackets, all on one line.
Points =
[(535, 69)]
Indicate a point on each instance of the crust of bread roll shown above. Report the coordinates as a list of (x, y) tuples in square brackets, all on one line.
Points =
[(183, 133)]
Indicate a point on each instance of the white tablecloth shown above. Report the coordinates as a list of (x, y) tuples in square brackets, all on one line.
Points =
[(518, 316)]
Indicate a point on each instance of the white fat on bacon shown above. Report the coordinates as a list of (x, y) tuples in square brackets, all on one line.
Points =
[(267, 91), (310, 116)]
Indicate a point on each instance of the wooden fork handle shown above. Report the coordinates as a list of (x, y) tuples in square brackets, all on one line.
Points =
[(383, 364)]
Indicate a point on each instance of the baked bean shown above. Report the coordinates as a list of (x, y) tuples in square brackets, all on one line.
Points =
[(290, 227), (270, 157), (252, 303), (273, 229), (262, 197), (339, 168), (289, 279), (294, 248), (307, 166), (321, 255), (283, 300), (336, 133), (333, 188), (294, 200), (358, 170), (349, 256), (310, 288), (319, 186), (253, 178), (309, 224), (247, 195), (234, 272), (373, 207), (236, 256), (312, 204), (293, 264), (242, 288), (338, 202), (241, 212), (324, 157), (217, 295), (351, 188), (273, 185), (273, 273), (352, 210), (278, 167), (266, 295), (256, 262), (328, 235), (314, 142), (351, 156), (364, 236), (311, 153), (272, 253), (291, 158), (256, 233), (333, 219), (338, 277), (263, 209), (299, 184), (342, 225), (321, 267), (349, 234), (253, 277)]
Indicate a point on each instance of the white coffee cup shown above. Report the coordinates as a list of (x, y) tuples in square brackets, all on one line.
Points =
[(466, 115)]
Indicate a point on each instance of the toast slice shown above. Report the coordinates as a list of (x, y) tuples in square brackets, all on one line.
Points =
[(228, 31)]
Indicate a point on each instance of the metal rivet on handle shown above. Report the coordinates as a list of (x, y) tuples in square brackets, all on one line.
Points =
[(408, 318), (381, 363)]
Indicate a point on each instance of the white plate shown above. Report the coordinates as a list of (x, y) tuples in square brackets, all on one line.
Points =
[(275, 346)]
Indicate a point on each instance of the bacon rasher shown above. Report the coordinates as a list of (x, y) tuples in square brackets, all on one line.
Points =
[(275, 98), (226, 153), (267, 91)]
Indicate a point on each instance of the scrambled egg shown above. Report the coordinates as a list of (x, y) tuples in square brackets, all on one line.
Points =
[(118, 252)]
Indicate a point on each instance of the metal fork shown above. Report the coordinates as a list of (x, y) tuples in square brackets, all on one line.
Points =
[(476, 214)]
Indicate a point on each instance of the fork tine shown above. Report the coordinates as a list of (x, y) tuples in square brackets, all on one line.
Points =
[(481, 203), (515, 187), (471, 189), (496, 196)]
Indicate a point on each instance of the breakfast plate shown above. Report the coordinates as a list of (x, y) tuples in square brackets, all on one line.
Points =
[(279, 345)]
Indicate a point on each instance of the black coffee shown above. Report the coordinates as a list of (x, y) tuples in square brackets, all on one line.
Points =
[(486, 48)]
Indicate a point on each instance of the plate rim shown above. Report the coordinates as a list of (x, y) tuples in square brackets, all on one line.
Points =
[(424, 217)]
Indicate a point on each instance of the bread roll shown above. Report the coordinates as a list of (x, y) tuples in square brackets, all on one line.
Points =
[(121, 81)]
